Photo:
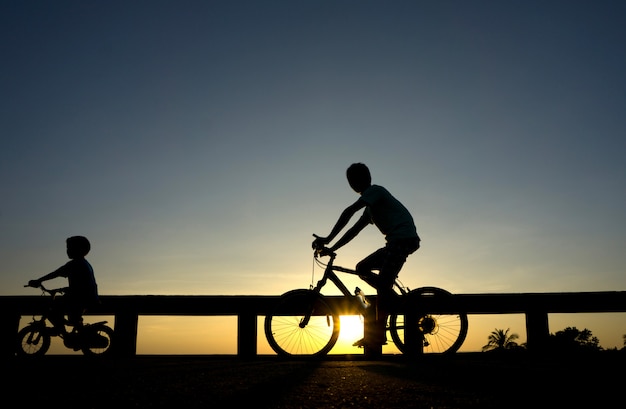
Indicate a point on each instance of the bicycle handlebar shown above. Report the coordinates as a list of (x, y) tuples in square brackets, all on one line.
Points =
[(52, 291), (320, 249), (324, 251)]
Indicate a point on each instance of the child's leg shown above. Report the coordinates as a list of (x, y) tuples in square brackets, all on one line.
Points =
[(75, 316)]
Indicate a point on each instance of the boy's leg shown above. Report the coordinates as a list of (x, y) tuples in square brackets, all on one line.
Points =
[(75, 311), (372, 262), (57, 313), (389, 261), (395, 257), (364, 269), (375, 332), (75, 315)]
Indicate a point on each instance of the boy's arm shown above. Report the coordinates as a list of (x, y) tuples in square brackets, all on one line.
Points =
[(49, 276), (352, 232), (345, 217)]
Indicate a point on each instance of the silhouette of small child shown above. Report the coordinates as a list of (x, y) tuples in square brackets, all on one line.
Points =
[(82, 291), (395, 222)]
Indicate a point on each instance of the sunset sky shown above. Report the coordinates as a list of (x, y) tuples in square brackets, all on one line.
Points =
[(200, 144)]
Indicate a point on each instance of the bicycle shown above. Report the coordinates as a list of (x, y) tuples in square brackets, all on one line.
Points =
[(304, 323), (34, 339)]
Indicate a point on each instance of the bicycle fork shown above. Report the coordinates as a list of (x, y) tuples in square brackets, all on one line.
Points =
[(310, 308), (34, 338)]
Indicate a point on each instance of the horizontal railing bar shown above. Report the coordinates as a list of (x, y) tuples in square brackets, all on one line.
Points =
[(509, 303), (128, 308)]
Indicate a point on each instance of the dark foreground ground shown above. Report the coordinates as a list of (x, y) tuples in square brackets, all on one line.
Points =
[(478, 380)]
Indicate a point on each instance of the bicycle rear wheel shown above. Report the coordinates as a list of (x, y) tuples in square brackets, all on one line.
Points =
[(302, 324), (436, 333), (97, 339)]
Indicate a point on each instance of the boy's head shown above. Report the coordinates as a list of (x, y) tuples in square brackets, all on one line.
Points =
[(359, 177), (77, 246)]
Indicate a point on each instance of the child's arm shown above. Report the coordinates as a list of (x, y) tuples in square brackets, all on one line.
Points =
[(49, 276), (352, 232), (345, 217)]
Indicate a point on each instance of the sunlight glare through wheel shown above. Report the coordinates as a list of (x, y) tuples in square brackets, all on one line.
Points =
[(351, 331)]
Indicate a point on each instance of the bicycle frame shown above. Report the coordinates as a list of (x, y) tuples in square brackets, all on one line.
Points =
[(34, 338), (329, 274), (304, 322)]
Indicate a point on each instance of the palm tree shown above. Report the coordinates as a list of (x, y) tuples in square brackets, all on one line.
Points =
[(500, 340)]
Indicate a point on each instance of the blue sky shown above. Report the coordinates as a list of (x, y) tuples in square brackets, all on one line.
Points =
[(200, 144)]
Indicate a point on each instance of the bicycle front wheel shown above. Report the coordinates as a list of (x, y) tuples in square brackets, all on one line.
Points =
[(436, 333), (302, 324), (32, 340)]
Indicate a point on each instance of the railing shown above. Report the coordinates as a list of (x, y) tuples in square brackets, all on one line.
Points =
[(127, 309)]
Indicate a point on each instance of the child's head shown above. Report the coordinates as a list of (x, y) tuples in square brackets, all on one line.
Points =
[(77, 246), (359, 177)]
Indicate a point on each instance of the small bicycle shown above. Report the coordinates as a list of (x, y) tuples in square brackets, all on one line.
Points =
[(34, 339), (303, 322)]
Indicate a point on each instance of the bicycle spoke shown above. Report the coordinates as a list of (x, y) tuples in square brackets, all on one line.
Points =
[(440, 333), (285, 334)]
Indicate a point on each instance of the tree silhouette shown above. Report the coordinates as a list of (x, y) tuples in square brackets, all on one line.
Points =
[(571, 339), (501, 340)]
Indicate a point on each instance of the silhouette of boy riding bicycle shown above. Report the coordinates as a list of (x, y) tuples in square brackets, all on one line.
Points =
[(396, 223)]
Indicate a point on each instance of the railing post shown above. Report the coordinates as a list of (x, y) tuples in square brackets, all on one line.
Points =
[(9, 325), (247, 334), (537, 330), (413, 337), (369, 330), (125, 336)]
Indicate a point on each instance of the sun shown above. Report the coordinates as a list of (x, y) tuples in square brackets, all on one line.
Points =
[(351, 330)]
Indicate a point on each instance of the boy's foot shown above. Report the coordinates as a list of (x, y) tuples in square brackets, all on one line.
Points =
[(361, 343)]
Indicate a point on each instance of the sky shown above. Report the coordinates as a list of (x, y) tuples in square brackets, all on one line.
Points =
[(200, 144)]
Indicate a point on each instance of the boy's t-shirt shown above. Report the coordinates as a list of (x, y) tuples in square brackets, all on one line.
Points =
[(81, 281), (388, 214)]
